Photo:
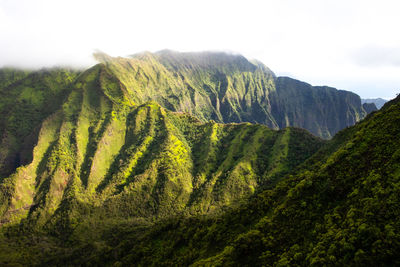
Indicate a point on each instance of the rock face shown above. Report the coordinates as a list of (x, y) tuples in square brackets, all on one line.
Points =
[(369, 107), (321, 110)]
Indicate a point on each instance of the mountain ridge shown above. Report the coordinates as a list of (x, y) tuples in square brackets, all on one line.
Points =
[(233, 90)]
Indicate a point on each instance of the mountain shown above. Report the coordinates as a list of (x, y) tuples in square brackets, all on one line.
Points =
[(369, 107), (379, 102), (134, 159), (142, 160), (321, 110), (210, 86), (229, 88), (339, 208)]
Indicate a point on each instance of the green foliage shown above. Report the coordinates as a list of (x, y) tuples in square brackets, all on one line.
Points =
[(339, 209), (25, 102)]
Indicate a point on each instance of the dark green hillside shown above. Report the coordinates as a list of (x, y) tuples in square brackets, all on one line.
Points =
[(369, 107), (341, 209), (26, 99), (11, 75)]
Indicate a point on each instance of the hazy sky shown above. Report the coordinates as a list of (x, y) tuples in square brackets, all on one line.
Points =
[(351, 45)]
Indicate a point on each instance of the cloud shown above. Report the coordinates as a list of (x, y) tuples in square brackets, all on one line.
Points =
[(311, 39), (377, 56)]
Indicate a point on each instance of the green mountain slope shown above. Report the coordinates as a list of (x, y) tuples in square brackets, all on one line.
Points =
[(11, 75), (100, 160), (26, 99), (341, 208), (142, 161)]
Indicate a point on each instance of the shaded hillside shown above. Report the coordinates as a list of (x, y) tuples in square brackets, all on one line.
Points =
[(322, 110), (26, 99), (369, 107)]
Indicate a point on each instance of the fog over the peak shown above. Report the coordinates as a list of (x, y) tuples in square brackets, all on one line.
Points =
[(320, 42)]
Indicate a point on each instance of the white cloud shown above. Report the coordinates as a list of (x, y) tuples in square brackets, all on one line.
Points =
[(312, 39), (377, 56)]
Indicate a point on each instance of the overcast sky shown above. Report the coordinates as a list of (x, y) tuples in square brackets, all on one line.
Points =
[(351, 45)]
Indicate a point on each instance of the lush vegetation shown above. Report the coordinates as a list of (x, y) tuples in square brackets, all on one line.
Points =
[(339, 208), (26, 99), (104, 168)]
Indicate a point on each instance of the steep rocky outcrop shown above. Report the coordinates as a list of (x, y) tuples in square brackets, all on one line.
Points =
[(369, 107), (320, 109)]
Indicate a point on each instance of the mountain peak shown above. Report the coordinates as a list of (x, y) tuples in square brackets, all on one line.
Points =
[(379, 102), (101, 57)]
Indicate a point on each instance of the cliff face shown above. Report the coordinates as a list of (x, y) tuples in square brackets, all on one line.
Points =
[(322, 110), (217, 86), (369, 107)]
